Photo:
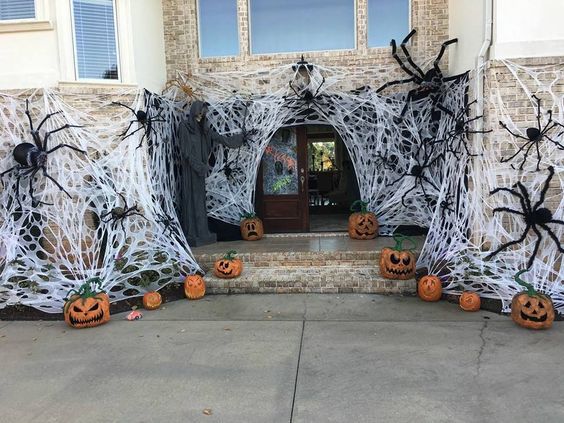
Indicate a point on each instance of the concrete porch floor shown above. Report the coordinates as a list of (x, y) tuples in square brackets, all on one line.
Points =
[(285, 358)]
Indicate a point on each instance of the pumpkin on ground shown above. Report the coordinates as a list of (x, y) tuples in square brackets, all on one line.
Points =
[(397, 263), (429, 288), (194, 287), (152, 300), (251, 227), (531, 309), (228, 267), (87, 307), (363, 223), (469, 301)]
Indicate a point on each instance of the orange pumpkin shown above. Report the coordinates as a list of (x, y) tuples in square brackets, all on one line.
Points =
[(228, 267), (87, 307), (152, 300), (469, 301), (429, 288), (529, 309), (251, 227), (397, 263), (194, 287), (362, 224)]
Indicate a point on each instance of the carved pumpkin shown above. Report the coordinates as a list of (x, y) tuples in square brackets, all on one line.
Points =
[(152, 300), (469, 301), (251, 227), (397, 263), (429, 288), (530, 309), (194, 287), (87, 307), (228, 267), (362, 224)]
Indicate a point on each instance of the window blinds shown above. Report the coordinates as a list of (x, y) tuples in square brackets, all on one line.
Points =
[(17, 9)]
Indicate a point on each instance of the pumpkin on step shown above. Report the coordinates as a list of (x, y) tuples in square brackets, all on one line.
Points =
[(152, 300), (397, 263), (194, 287), (251, 227), (362, 223), (530, 309), (87, 307), (429, 288), (228, 267), (469, 301)]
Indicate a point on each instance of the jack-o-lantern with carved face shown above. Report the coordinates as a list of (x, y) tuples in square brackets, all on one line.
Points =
[(251, 227), (469, 301), (397, 263), (152, 300), (194, 287), (429, 288), (228, 267), (87, 307), (363, 223), (531, 309)]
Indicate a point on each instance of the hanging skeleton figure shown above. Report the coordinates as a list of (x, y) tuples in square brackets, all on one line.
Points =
[(32, 157), (430, 83)]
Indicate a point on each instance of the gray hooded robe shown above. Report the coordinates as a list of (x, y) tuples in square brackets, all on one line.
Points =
[(196, 143)]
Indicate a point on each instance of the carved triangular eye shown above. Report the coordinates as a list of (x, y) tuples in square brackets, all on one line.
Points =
[(76, 309), (394, 259), (94, 307)]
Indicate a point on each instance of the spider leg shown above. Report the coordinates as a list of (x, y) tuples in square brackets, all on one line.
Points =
[(429, 181), (9, 170), (536, 249), (123, 105), (504, 126), (509, 244), (508, 210), (398, 179), (442, 52), (318, 88), (18, 178), (293, 89), (525, 199), (407, 103), (103, 216), (28, 114), (123, 199), (539, 112), (545, 187), (398, 59), (131, 122), (512, 192), (55, 182), (526, 155), (48, 116), (66, 145), (122, 225), (133, 132), (538, 156), (407, 192), (408, 55), (138, 214), (553, 236), (48, 135), (505, 160)]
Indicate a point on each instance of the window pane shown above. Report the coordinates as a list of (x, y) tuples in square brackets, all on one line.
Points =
[(279, 164), (95, 39), (387, 19), (17, 9), (286, 26), (218, 28)]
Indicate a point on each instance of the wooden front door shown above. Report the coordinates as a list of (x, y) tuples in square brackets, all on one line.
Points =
[(282, 185)]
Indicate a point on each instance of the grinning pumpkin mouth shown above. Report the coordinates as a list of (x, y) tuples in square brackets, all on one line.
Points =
[(227, 273), (97, 318), (533, 318), (252, 233), (401, 272), (362, 233)]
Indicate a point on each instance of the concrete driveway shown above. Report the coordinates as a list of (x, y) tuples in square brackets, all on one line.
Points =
[(285, 358)]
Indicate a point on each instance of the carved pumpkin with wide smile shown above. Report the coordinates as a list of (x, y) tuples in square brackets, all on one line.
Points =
[(531, 309), (363, 223), (397, 263), (228, 267), (87, 307)]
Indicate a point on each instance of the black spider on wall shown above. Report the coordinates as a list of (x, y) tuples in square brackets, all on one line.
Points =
[(534, 137), (430, 83), (305, 97), (118, 214), (535, 217), (32, 157)]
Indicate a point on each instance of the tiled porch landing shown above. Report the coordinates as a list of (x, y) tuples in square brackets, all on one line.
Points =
[(303, 263)]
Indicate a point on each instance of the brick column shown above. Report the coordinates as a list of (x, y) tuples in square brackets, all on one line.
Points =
[(362, 26), (243, 19)]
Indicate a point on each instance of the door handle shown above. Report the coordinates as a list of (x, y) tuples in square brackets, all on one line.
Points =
[(302, 180)]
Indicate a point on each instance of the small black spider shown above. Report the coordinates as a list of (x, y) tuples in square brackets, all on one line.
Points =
[(446, 205), (32, 157), (305, 96), (168, 223), (534, 216), (118, 214), (430, 83), (534, 137)]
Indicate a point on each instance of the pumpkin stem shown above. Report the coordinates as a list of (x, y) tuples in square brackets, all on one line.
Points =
[(85, 290), (362, 206), (248, 215), (400, 239), (531, 291), (230, 255)]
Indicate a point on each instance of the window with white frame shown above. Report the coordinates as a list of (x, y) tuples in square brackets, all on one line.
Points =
[(218, 30), (387, 20), (17, 9), (95, 39)]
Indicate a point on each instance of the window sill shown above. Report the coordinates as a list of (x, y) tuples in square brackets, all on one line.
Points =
[(25, 26), (94, 87)]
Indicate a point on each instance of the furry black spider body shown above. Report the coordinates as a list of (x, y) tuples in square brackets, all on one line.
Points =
[(144, 119), (534, 216), (119, 214), (32, 157), (534, 137), (305, 97)]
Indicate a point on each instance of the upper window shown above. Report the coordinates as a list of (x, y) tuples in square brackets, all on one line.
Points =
[(218, 28), (387, 20), (95, 39), (17, 9), (287, 26)]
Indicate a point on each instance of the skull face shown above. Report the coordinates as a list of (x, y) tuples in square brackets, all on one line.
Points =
[(429, 288), (532, 311), (194, 287), (228, 269), (87, 312), (363, 226), (252, 229), (397, 264)]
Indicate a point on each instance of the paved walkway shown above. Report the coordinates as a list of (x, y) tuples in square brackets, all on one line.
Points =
[(285, 358)]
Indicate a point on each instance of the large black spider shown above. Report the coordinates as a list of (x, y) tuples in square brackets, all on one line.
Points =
[(168, 222), (144, 118), (430, 83), (305, 96), (32, 157), (534, 137), (535, 217), (417, 171), (118, 214)]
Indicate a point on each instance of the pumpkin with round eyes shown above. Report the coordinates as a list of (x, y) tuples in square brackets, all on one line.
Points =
[(429, 288), (251, 227), (228, 267), (194, 287), (152, 300), (531, 309), (87, 307), (469, 301), (397, 263), (363, 223)]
